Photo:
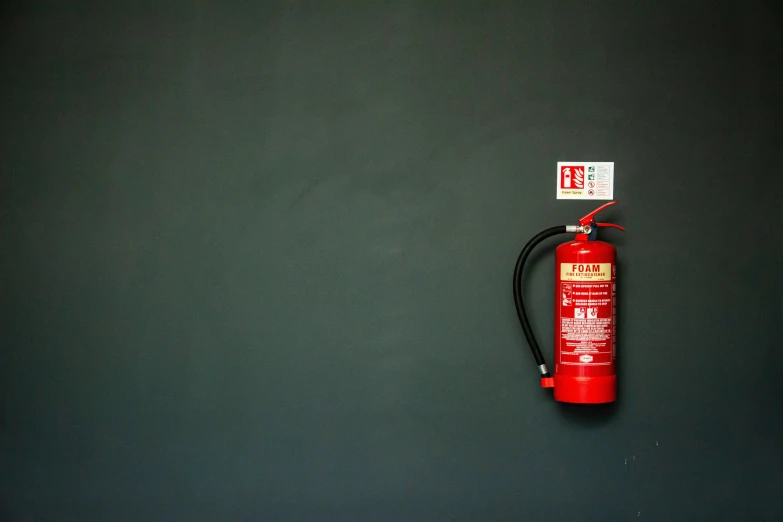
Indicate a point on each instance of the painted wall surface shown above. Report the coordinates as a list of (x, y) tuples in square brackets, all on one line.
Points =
[(255, 260)]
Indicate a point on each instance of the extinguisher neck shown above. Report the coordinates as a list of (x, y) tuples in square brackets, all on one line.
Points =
[(583, 232), (588, 228)]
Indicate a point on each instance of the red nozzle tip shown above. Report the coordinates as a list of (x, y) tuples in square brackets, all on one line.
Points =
[(547, 382)]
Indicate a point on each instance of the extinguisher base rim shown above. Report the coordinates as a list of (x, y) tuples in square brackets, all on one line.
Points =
[(585, 390)]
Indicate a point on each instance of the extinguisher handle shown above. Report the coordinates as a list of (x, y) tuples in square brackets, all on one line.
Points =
[(589, 219), (610, 225)]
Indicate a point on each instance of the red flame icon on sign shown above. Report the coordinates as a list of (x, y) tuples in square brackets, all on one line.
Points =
[(579, 177)]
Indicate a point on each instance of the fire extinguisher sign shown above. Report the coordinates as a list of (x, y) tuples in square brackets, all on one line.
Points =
[(585, 180)]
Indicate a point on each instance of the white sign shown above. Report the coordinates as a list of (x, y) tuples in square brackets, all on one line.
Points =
[(585, 179)]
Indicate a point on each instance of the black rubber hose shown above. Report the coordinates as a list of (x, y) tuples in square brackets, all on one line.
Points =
[(519, 301)]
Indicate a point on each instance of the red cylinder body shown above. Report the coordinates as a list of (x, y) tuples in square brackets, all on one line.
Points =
[(585, 311)]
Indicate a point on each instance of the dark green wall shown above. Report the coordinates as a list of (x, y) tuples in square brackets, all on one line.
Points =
[(256, 260)]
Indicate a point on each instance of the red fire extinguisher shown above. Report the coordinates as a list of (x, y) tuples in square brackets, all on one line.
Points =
[(585, 312)]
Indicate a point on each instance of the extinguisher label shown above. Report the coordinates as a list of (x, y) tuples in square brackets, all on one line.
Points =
[(585, 271), (586, 316)]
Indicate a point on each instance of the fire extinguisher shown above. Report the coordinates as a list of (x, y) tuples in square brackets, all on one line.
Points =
[(585, 312)]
